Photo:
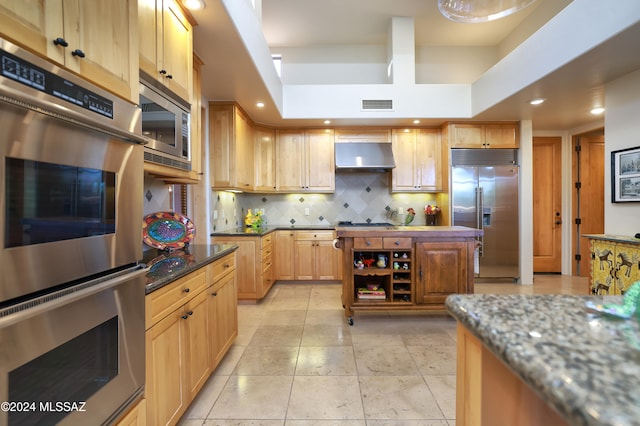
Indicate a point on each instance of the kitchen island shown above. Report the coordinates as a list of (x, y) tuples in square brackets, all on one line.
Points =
[(544, 360), (405, 267)]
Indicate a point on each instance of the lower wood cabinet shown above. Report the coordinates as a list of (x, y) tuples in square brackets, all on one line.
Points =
[(615, 263), (185, 344), (283, 255), (314, 256), (442, 269), (137, 416)]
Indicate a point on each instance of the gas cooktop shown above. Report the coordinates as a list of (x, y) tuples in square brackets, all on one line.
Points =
[(349, 223)]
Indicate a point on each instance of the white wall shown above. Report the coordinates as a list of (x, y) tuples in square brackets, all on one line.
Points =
[(622, 130)]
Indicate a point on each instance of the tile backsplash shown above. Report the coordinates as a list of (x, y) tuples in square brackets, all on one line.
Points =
[(359, 197)]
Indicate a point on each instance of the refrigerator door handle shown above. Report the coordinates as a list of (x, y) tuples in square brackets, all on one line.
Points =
[(479, 217)]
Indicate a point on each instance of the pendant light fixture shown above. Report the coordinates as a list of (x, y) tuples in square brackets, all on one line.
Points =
[(475, 11)]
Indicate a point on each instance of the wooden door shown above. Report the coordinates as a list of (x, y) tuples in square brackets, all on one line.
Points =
[(320, 160), (403, 176), (588, 200), (289, 159), (547, 198)]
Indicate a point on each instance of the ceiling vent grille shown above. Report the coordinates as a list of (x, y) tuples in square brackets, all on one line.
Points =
[(377, 105)]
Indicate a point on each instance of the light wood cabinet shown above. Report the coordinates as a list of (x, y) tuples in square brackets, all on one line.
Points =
[(88, 37), (418, 154), (232, 147), (443, 268), (362, 134), (284, 255), (136, 416), (305, 160), (487, 135), (189, 329), (166, 45), (223, 307), (264, 142), (253, 266), (314, 256)]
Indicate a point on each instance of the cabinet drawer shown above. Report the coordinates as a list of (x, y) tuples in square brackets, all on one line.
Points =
[(168, 298), (222, 266), (314, 235), (367, 243), (266, 242), (394, 243)]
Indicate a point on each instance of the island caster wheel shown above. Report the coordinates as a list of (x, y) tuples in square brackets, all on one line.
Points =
[(350, 321)]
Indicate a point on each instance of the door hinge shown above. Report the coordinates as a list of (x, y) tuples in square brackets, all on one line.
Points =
[(578, 185), (578, 221), (578, 258), (578, 148)]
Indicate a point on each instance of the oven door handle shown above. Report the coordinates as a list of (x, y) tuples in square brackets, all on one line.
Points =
[(30, 308)]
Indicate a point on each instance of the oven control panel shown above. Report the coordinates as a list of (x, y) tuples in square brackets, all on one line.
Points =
[(24, 72)]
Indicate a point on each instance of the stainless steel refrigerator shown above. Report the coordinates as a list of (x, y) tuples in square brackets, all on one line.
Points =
[(485, 196)]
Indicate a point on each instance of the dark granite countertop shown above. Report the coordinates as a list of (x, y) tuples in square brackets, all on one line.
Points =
[(585, 365), (165, 267), (250, 232)]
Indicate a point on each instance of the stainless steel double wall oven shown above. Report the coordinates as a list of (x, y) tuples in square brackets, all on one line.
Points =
[(71, 287)]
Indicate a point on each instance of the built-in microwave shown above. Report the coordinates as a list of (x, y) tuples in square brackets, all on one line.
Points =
[(165, 123)]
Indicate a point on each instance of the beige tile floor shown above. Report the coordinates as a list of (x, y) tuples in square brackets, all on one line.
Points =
[(297, 363)]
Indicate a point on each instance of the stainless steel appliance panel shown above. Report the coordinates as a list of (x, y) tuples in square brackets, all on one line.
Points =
[(54, 353), (486, 197)]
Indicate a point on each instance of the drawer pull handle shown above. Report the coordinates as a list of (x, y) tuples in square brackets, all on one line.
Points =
[(190, 313), (79, 53), (60, 42), (397, 243), (368, 243), (226, 265), (187, 290), (184, 317), (215, 293)]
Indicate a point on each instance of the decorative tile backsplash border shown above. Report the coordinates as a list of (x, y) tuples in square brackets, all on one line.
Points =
[(359, 197)]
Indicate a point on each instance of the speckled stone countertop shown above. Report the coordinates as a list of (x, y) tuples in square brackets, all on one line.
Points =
[(250, 232), (165, 267), (583, 364)]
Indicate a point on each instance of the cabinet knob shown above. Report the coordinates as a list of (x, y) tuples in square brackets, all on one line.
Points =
[(397, 243), (215, 293), (226, 265), (163, 72), (190, 313), (79, 53), (187, 290), (184, 317), (60, 42), (169, 76), (368, 243)]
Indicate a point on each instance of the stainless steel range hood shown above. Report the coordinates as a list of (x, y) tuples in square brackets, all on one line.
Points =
[(364, 157)]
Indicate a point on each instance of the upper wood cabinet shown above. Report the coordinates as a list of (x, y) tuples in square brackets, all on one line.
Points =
[(489, 135), (363, 134), (232, 147), (166, 45), (418, 155), (88, 37), (305, 160), (264, 142)]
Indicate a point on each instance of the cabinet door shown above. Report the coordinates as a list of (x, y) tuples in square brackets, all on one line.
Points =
[(244, 149), (284, 255), (429, 157), (34, 24), (248, 266), (290, 161), (149, 32), (326, 262), (195, 319), (304, 259), (265, 159), (222, 134), (466, 136), (104, 30), (320, 160), (442, 270), (602, 261), (627, 267), (177, 50), (164, 387), (403, 176), (501, 136), (223, 314)]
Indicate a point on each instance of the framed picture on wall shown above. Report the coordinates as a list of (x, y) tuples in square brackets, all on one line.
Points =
[(625, 175)]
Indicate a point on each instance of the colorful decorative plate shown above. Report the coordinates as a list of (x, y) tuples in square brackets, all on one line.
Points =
[(167, 230)]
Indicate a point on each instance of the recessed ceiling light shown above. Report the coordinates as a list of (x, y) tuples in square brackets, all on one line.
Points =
[(537, 101), (416, 121), (193, 4), (597, 110), (260, 104), (327, 121)]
